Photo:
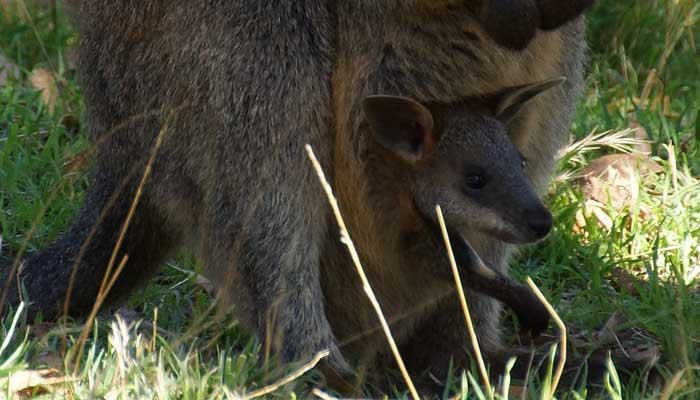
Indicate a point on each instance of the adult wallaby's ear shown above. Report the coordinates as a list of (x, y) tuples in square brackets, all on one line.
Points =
[(514, 23), (511, 100), (401, 125), (555, 13)]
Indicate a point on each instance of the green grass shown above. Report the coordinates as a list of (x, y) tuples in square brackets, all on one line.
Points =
[(575, 266)]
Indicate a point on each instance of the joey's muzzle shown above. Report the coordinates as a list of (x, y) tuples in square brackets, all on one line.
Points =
[(539, 221)]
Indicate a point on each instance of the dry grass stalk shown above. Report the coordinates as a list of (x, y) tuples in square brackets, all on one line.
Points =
[(154, 334), (463, 302), (323, 395), (289, 378), (345, 238), (562, 335), (673, 384), (110, 279)]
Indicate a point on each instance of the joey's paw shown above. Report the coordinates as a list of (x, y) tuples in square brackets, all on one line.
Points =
[(532, 314)]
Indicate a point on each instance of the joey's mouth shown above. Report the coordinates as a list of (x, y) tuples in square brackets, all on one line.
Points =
[(512, 237), (507, 236)]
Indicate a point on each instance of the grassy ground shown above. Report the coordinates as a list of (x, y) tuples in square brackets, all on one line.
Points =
[(638, 257)]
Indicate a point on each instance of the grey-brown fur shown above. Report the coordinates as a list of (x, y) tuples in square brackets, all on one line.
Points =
[(251, 82), (460, 156)]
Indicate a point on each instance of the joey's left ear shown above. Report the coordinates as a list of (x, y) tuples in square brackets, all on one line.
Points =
[(401, 125), (512, 99)]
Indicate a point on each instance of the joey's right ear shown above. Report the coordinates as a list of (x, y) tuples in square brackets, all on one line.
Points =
[(512, 99), (401, 125)]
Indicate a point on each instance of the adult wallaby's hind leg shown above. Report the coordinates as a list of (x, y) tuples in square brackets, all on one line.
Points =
[(74, 265)]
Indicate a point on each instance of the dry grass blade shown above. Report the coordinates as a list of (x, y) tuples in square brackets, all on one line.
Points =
[(562, 335), (672, 385), (623, 141), (345, 238), (110, 278), (463, 302), (323, 395), (289, 378)]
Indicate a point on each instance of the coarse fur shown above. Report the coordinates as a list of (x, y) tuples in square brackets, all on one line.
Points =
[(460, 156), (421, 59), (241, 86)]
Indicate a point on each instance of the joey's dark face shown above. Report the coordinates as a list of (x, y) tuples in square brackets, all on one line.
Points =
[(478, 178), (464, 160)]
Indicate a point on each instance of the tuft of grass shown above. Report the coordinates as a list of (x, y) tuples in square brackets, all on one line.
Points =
[(643, 72)]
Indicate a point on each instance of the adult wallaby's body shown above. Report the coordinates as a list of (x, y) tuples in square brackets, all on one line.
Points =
[(237, 88)]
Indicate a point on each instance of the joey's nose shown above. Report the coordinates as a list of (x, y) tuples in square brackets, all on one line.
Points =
[(540, 221)]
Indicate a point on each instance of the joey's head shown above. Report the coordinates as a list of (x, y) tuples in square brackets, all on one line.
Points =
[(463, 159)]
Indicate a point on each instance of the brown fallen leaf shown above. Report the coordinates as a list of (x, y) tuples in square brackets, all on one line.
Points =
[(613, 180), (615, 176), (43, 80), (25, 383)]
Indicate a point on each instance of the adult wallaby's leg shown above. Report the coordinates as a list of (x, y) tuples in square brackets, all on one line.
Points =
[(73, 267), (266, 217)]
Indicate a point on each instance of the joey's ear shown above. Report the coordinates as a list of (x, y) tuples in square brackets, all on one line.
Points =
[(401, 125), (512, 99)]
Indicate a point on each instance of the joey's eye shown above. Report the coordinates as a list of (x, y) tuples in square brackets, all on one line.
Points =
[(475, 181)]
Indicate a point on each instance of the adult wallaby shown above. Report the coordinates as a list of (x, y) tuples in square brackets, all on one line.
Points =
[(233, 90)]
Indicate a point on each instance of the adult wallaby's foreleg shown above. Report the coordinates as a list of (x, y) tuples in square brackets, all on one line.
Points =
[(266, 217)]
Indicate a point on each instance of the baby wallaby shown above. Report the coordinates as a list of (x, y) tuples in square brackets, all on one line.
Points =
[(465, 161)]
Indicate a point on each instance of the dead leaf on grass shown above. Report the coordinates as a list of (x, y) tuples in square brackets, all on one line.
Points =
[(26, 383), (613, 180), (44, 80)]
